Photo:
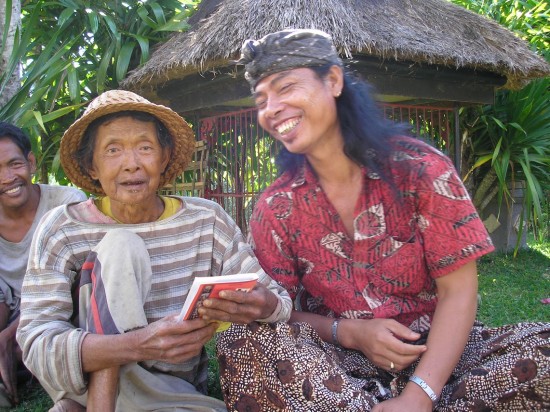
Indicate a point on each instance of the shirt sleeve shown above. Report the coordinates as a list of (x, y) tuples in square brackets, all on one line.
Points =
[(50, 342), (451, 229), (72, 195), (76, 196)]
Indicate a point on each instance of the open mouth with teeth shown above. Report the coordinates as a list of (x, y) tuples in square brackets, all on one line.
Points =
[(133, 184), (287, 126), (12, 191)]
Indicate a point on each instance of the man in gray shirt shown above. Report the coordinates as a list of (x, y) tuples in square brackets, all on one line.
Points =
[(22, 205)]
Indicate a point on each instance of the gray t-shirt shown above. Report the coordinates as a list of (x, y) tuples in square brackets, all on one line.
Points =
[(14, 256)]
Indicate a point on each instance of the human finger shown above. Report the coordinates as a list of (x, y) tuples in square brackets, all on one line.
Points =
[(401, 331), (167, 336), (396, 363), (401, 355), (229, 312), (381, 343), (237, 306), (181, 348)]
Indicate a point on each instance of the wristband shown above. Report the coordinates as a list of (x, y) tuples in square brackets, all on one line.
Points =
[(334, 330), (425, 387)]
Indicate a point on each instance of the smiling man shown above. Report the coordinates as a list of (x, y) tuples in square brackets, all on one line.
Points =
[(22, 205)]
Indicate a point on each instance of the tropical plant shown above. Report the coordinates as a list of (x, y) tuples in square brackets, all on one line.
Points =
[(44, 61), (10, 20), (501, 143), (68, 51), (512, 144)]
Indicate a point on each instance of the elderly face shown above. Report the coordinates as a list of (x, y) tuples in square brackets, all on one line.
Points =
[(128, 161), (299, 109)]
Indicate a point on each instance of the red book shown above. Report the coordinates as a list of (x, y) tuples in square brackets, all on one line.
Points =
[(210, 287)]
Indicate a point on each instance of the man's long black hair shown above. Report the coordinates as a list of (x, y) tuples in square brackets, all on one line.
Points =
[(365, 129)]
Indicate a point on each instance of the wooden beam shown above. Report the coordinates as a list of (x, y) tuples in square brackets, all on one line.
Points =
[(196, 91), (391, 78), (428, 81)]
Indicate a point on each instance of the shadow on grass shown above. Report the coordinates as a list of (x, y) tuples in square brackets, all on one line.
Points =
[(32, 398)]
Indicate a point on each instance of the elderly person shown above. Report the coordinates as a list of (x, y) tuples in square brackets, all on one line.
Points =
[(376, 240), (108, 276)]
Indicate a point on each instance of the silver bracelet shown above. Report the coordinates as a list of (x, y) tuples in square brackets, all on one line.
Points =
[(425, 387), (335, 332)]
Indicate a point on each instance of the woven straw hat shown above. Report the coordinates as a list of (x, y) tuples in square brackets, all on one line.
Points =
[(117, 101)]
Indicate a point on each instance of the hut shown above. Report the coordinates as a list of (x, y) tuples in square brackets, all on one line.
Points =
[(425, 58)]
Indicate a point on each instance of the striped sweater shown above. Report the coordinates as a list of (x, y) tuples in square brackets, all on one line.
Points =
[(199, 240)]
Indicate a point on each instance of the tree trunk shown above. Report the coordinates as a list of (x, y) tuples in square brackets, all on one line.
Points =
[(484, 192), (12, 84)]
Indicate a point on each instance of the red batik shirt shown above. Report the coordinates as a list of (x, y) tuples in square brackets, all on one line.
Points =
[(404, 237)]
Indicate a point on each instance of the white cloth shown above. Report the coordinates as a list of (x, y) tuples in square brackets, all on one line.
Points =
[(14, 256)]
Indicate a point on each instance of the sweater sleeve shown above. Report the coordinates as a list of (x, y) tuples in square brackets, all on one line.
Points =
[(50, 342)]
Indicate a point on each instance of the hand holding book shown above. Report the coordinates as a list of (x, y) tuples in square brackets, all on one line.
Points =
[(210, 287)]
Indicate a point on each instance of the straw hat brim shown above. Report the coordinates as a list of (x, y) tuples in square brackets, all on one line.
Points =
[(181, 133)]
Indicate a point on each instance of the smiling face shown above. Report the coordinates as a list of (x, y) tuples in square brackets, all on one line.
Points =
[(15, 175), (299, 109), (128, 161)]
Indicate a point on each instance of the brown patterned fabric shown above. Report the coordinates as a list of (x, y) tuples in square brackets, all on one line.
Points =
[(282, 367), (284, 50)]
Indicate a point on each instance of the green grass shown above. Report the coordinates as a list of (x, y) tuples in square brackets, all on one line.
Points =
[(32, 398), (510, 289), (214, 386)]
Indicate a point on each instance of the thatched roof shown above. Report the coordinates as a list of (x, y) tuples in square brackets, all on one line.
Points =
[(421, 31)]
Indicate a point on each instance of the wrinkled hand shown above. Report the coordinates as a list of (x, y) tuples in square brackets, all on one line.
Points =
[(380, 340), (171, 341), (240, 307), (8, 364)]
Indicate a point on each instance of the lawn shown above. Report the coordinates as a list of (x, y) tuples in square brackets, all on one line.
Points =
[(511, 290)]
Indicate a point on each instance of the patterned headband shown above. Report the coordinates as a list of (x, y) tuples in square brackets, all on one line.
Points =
[(285, 50)]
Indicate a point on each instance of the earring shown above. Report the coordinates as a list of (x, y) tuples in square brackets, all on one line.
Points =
[(339, 93)]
